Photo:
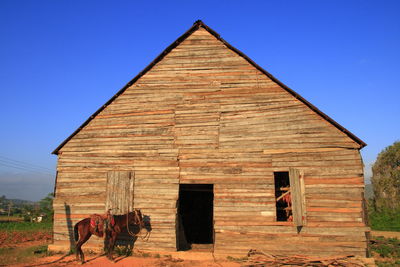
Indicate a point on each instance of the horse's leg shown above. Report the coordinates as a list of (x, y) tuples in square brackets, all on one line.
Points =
[(83, 238), (107, 242), (111, 242), (77, 235), (77, 250), (111, 245)]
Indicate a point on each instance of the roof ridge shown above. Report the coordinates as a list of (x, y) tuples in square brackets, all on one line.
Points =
[(196, 25)]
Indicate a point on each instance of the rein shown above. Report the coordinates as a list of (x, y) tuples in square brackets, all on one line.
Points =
[(138, 221)]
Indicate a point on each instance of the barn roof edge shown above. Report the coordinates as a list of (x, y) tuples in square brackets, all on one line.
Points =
[(180, 39)]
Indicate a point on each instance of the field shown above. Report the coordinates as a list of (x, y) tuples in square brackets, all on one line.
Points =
[(4, 218), (22, 241), (384, 221), (386, 251)]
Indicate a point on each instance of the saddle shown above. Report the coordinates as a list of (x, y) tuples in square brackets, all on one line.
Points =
[(100, 222), (97, 223)]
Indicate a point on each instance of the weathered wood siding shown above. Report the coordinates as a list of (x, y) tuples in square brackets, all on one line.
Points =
[(205, 115)]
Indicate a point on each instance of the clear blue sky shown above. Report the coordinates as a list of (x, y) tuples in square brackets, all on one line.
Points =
[(61, 60)]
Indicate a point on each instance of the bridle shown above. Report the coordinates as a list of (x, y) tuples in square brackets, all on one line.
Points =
[(137, 221)]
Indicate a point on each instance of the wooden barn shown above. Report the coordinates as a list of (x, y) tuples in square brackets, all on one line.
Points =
[(219, 155)]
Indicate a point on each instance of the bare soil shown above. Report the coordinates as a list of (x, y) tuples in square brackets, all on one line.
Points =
[(100, 260), (18, 238), (20, 244), (386, 234), (191, 259)]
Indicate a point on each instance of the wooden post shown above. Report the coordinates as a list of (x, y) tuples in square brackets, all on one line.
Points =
[(303, 198), (297, 199)]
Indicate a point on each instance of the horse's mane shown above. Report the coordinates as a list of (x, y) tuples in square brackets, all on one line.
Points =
[(123, 215), (119, 216)]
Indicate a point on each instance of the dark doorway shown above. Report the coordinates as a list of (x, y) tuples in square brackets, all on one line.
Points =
[(195, 215)]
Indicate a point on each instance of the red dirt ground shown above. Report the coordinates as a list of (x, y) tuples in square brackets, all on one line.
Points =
[(20, 240), (16, 238), (99, 261), (386, 234)]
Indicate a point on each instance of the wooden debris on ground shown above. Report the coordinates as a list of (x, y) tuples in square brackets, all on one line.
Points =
[(259, 258)]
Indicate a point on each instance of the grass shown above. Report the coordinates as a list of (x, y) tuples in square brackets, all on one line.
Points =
[(386, 251), (385, 221), (25, 226), (18, 232), (239, 259), (123, 250), (19, 255)]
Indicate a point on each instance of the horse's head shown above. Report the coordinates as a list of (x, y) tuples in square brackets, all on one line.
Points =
[(136, 217)]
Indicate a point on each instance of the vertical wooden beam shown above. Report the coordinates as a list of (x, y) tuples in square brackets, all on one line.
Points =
[(295, 188), (303, 198)]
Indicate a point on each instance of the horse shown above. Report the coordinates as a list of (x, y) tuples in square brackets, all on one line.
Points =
[(119, 223), (84, 229)]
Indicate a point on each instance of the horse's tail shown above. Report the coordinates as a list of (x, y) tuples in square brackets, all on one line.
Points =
[(76, 232)]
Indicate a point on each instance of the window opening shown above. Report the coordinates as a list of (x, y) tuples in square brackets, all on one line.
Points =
[(283, 197)]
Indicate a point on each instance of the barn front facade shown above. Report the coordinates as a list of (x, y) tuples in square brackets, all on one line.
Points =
[(215, 151)]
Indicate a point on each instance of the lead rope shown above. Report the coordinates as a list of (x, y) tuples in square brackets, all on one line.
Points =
[(138, 221), (127, 224), (147, 235)]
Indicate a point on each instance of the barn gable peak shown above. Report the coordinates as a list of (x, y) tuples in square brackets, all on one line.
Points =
[(196, 26)]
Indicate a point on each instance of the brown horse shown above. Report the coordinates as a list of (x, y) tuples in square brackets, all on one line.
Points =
[(118, 224), (111, 224), (84, 229)]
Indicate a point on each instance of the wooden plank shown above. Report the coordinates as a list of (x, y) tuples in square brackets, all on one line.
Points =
[(302, 150), (296, 195), (120, 190), (302, 189)]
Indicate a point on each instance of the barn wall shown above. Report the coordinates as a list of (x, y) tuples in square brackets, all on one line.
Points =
[(205, 115)]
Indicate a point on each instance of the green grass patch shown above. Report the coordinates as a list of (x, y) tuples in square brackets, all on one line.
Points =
[(386, 251), (25, 226), (385, 221), (20, 255), (123, 250), (237, 259), (145, 255), (19, 232)]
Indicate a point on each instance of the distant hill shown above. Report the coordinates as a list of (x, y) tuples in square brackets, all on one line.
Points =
[(368, 193), (16, 203), (19, 202)]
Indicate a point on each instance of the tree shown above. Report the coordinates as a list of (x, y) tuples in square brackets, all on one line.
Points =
[(29, 212), (386, 179), (46, 206)]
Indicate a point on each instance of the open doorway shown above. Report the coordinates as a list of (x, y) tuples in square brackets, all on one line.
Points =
[(195, 215)]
